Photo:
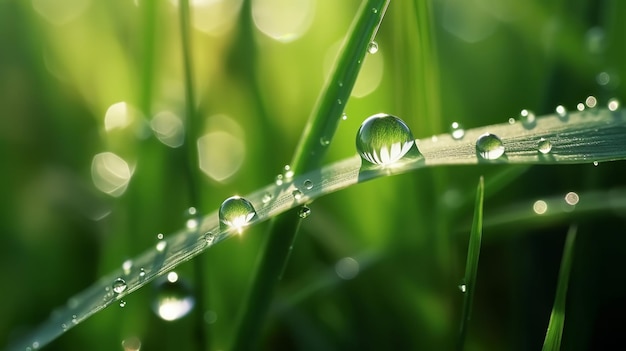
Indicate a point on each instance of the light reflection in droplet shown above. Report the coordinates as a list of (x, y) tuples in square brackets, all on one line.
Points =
[(347, 268), (110, 173), (283, 20), (540, 207), (168, 128)]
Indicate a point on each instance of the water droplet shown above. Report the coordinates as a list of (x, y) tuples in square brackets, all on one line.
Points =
[(383, 139), (544, 146), (511, 120), (131, 344), (236, 213), (580, 107), (489, 146), (266, 198), (173, 299), (457, 131), (74, 319), (372, 47), (160, 236), (119, 285), (339, 102), (35, 344), (288, 173), (463, 287), (308, 184), (591, 102), (209, 238), (122, 303), (595, 163), (527, 118), (344, 116), (279, 179), (561, 111), (304, 212), (540, 207), (324, 141), (374, 10), (613, 104), (142, 272), (297, 194), (192, 220), (571, 198), (434, 138)]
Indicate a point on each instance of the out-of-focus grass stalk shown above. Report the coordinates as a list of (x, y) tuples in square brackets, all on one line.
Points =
[(554, 333), (309, 154), (468, 287)]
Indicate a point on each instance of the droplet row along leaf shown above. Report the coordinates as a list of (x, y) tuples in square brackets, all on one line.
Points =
[(582, 137)]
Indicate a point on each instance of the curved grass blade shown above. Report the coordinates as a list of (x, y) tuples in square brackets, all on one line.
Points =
[(582, 138), (468, 287), (554, 333)]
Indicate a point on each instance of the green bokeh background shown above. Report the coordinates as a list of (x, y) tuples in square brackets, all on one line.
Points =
[(488, 60)]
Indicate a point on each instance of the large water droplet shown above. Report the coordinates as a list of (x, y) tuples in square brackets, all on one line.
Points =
[(372, 47), (119, 285), (383, 139), (173, 299), (489, 146), (544, 146), (236, 213), (457, 131)]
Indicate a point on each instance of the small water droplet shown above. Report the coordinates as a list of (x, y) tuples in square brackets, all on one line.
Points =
[(122, 303), (463, 287), (131, 344), (434, 138), (383, 139), (540, 207), (613, 104), (489, 146), (279, 179), (512, 120), (288, 173), (160, 236), (297, 194), (457, 131), (119, 285), (209, 238), (527, 118), (74, 319), (339, 102), (591, 102), (372, 47), (595, 163), (344, 116), (324, 141), (142, 273), (340, 84), (236, 213), (580, 107), (304, 212), (192, 220), (35, 344), (374, 10), (64, 326), (308, 184), (173, 299), (544, 146), (572, 198), (266, 198), (561, 111)]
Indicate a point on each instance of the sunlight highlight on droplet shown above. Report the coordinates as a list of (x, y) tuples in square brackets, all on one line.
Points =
[(110, 173), (283, 20), (168, 128), (540, 207)]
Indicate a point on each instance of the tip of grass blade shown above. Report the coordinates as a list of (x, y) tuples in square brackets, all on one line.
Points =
[(554, 333), (471, 268)]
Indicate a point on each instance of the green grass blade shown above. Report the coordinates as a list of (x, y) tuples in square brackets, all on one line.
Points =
[(584, 137), (468, 286), (557, 317), (309, 154)]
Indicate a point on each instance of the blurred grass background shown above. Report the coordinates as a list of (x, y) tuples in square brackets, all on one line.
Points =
[(70, 216)]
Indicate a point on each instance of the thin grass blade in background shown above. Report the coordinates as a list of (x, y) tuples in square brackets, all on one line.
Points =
[(554, 333), (468, 286)]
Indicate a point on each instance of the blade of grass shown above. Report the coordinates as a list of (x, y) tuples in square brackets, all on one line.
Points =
[(309, 154), (468, 286), (584, 137), (557, 317)]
